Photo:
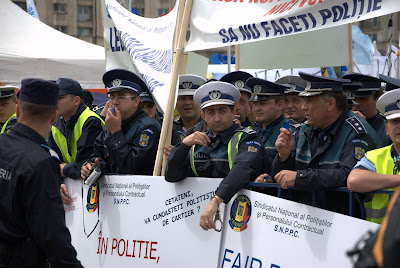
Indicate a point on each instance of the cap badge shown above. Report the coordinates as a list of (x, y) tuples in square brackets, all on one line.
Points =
[(257, 88), (398, 103), (116, 82), (187, 85), (292, 87), (215, 94), (239, 84)]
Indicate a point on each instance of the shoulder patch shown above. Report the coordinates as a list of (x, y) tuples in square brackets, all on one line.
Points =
[(246, 130), (145, 137), (356, 124), (52, 153)]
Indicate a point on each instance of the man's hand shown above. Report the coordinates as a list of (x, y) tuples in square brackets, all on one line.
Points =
[(207, 217), (113, 120), (62, 165), (286, 178), (200, 138), (167, 150), (87, 169), (263, 178), (66, 199), (360, 114), (284, 144), (236, 119), (105, 109)]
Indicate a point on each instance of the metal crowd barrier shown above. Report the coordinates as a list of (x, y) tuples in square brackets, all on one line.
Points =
[(354, 197)]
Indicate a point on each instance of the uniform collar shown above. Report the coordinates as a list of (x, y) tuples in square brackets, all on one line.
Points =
[(271, 125), (127, 123), (226, 135), (29, 133), (375, 117), (333, 128)]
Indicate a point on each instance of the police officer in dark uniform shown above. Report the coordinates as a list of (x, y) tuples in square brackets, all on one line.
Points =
[(366, 97), (32, 222), (128, 144), (268, 110), (242, 107), (225, 150), (293, 102), (148, 105), (323, 151), (7, 108), (190, 120)]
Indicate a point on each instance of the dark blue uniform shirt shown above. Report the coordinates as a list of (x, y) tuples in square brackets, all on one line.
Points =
[(30, 200), (131, 150), (213, 161)]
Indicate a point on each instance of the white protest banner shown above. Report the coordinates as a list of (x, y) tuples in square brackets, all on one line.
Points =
[(142, 45), (265, 231), (144, 221), (217, 23)]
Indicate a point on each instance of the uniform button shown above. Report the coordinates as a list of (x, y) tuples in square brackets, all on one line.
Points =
[(359, 128), (357, 124)]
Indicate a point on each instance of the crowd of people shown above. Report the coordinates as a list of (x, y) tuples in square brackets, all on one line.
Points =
[(308, 133)]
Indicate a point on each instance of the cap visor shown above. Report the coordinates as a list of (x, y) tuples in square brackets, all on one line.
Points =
[(122, 89), (393, 116), (211, 103)]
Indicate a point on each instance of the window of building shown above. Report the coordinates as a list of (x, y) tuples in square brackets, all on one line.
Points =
[(61, 28), (84, 31), (60, 8), (374, 37), (21, 5), (84, 13), (162, 11)]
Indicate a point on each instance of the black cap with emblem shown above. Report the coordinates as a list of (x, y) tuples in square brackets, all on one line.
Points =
[(317, 85), (391, 83), (264, 89), (238, 79), (123, 80), (368, 84)]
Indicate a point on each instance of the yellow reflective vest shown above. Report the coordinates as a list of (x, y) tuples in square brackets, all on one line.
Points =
[(6, 123), (61, 141), (375, 208)]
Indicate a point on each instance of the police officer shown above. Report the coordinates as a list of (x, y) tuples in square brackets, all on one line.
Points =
[(225, 150), (74, 130), (242, 107), (128, 144), (147, 103), (366, 97), (268, 110), (324, 150), (32, 215), (293, 102), (379, 169), (190, 120), (8, 101)]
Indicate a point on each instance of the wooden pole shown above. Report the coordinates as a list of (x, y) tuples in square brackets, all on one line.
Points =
[(350, 34), (237, 57), (168, 116)]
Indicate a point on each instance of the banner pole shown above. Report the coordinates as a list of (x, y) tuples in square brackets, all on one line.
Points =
[(350, 34), (168, 116), (181, 6)]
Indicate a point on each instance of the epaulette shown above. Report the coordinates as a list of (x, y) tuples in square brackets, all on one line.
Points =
[(246, 130), (355, 123), (52, 153)]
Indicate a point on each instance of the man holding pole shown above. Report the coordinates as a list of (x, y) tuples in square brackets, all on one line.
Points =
[(225, 150)]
